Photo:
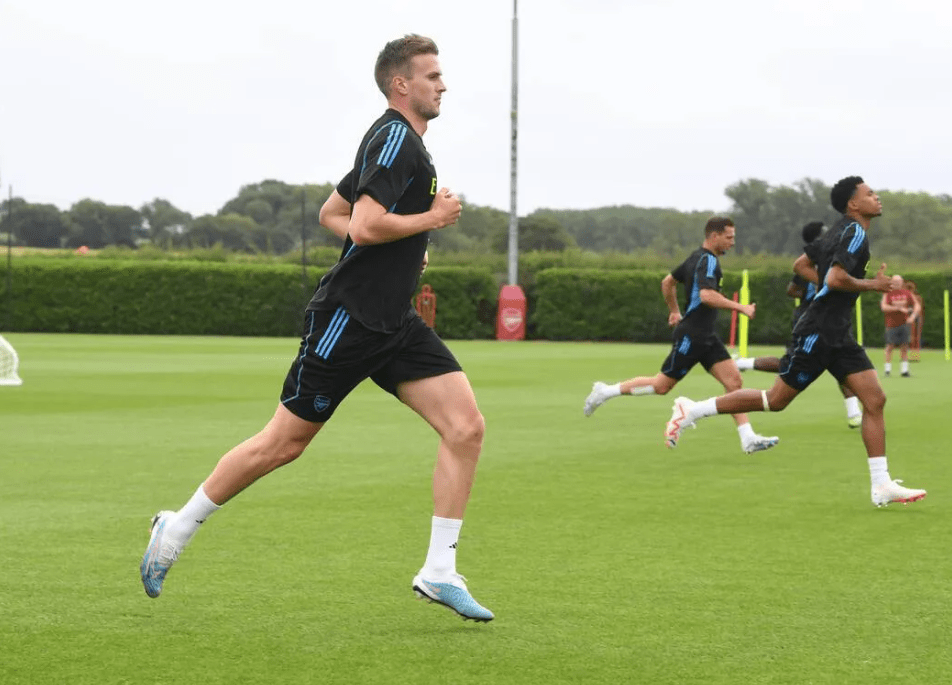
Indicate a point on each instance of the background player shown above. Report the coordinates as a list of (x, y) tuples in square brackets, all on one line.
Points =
[(694, 337), (823, 339), (804, 290)]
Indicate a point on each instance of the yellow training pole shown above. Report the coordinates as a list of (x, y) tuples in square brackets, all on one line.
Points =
[(744, 299), (859, 320), (945, 307)]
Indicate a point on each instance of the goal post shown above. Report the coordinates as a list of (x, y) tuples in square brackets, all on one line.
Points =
[(9, 364)]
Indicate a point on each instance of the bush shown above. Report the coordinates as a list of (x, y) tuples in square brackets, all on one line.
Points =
[(205, 298)]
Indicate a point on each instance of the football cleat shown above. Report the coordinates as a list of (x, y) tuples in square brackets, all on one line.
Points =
[(854, 421), (759, 443), (892, 491), (159, 555), (678, 422), (452, 594), (596, 398)]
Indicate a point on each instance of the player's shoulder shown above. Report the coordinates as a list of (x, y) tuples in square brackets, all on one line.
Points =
[(847, 227), (391, 130)]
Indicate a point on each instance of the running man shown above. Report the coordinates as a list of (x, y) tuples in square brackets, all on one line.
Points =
[(804, 290), (360, 324), (823, 339), (694, 337)]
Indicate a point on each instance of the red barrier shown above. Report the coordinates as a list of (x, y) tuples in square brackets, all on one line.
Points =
[(511, 314)]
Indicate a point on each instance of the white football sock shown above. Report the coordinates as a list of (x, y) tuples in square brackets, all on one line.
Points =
[(441, 557), (904, 366), (704, 408), (613, 390), (745, 363), (887, 367), (878, 471), (852, 406), (746, 432), (190, 517)]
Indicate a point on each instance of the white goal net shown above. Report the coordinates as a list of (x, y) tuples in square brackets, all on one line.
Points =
[(9, 362)]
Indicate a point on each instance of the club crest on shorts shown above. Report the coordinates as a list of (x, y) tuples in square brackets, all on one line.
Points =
[(321, 403)]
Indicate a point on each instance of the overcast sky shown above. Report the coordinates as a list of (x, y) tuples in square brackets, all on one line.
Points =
[(644, 102)]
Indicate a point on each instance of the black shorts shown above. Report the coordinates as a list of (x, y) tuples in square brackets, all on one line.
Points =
[(689, 349), (899, 335), (808, 356), (337, 353)]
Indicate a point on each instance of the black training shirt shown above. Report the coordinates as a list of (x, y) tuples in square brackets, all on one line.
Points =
[(375, 283), (830, 312), (699, 271)]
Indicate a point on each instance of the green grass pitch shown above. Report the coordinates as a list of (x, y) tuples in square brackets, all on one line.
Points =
[(606, 557)]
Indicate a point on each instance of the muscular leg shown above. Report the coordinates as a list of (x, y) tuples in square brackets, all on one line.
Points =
[(448, 404), (727, 375), (280, 442), (660, 383), (739, 401), (866, 386)]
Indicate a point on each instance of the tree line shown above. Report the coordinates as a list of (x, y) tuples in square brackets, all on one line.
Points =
[(273, 217)]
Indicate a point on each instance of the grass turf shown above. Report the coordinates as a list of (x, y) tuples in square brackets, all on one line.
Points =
[(606, 557)]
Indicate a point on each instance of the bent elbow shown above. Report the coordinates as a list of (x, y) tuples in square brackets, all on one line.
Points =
[(358, 236)]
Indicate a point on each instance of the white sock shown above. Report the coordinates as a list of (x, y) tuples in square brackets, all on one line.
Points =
[(191, 516), (441, 557), (613, 390), (887, 367), (878, 471), (643, 390), (704, 408), (746, 432), (904, 366), (852, 406), (745, 363)]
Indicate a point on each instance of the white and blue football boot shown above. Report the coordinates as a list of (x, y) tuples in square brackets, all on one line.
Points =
[(159, 555), (452, 593)]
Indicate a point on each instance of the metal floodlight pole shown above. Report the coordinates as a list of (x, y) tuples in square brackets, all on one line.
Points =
[(513, 217), (303, 237)]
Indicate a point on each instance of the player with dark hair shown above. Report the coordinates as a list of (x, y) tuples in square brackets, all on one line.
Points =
[(360, 324), (694, 337), (823, 340), (804, 290)]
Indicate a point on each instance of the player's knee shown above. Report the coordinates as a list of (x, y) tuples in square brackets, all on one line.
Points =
[(467, 431), (662, 386), (875, 402), (732, 385), (777, 402), (286, 453)]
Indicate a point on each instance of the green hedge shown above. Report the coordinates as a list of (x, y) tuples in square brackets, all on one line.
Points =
[(209, 298), (465, 301), (193, 298)]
